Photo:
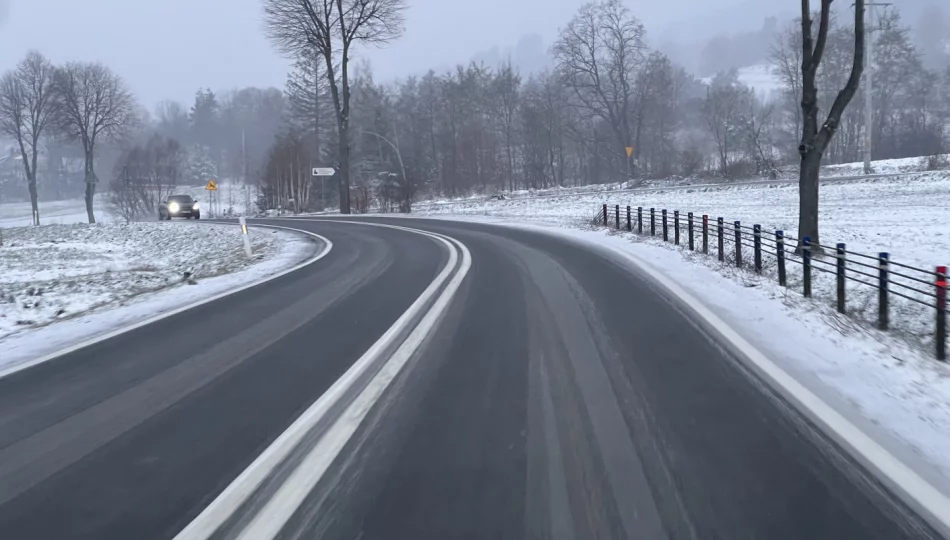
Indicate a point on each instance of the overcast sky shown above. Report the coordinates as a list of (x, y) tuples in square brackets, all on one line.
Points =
[(166, 49)]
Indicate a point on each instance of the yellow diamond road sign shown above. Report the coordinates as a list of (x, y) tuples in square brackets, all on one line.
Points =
[(629, 150), (211, 186)]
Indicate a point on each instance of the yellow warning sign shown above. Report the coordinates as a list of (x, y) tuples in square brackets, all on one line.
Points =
[(211, 186), (629, 151)]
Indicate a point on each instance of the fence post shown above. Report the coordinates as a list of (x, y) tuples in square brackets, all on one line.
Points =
[(705, 234), (689, 232), (629, 225), (840, 252), (617, 216), (882, 285), (757, 246), (653, 222), (666, 235), (942, 313), (676, 227), (738, 244), (639, 220), (806, 265), (605, 214), (780, 256), (722, 255)]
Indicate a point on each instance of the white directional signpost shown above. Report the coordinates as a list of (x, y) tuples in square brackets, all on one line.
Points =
[(323, 173)]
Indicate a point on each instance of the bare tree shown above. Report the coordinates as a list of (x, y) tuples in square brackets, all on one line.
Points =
[(27, 107), (144, 175), (786, 58), (723, 111), (331, 28), (95, 106), (600, 53), (815, 139)]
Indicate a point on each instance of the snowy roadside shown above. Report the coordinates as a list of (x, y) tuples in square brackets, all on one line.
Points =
[(887, 384), (64, 284)]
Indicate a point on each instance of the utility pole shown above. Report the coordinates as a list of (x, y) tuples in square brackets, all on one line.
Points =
[(869, 83)]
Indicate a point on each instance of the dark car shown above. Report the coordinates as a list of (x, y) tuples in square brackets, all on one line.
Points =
[(179, 206)]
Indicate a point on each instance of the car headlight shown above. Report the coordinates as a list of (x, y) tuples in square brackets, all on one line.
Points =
[(173, 207), (195, 206)]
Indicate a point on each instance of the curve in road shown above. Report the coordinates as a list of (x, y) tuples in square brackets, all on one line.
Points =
[(558, 396)]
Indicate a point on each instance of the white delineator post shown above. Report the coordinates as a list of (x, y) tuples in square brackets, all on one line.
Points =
[(247, 239)]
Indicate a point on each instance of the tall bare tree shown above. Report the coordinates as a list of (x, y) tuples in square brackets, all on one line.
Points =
[(95, 105), (331, 29), (815, 138), (27, 107), (600, 53)]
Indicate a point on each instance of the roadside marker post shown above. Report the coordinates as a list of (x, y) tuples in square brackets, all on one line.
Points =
[(247, 239)]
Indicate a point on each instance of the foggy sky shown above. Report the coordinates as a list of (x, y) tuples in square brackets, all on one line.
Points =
[(167, 49)]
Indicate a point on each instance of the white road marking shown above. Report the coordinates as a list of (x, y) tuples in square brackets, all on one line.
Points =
[(328, 245), (268, 521)]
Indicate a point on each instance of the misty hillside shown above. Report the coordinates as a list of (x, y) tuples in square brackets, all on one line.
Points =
[(740, 35)]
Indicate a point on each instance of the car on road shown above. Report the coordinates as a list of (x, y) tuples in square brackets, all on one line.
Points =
[(179, 206)]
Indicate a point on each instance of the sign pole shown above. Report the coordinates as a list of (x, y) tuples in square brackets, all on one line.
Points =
[(323, 173)]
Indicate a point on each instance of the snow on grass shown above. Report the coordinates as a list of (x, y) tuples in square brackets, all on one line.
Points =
[(60, 284), (915, 166), (885, 166), (888, 380), (65, 212)]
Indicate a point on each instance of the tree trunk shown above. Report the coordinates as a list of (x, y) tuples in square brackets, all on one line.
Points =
[(90, 187), (34, 201), (808, 200), (344, 156)]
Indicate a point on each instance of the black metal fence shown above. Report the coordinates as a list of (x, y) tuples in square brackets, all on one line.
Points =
[(925, 288)]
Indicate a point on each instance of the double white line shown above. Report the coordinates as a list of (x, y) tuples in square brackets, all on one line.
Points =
[(271, 515)]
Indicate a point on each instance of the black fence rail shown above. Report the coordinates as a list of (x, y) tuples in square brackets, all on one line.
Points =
[(733, 241)]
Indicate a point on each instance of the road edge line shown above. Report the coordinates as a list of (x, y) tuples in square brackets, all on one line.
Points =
[(328, 246), (215, 514)]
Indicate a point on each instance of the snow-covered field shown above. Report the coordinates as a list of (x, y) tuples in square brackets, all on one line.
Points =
[(60, 284), (65, 212), (884, 166), (890, 381), (787, 175)]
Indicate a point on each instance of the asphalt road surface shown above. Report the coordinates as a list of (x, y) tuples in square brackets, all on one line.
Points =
[(559, 397)]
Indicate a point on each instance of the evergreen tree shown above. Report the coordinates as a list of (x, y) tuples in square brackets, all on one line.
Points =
[(201, 165)]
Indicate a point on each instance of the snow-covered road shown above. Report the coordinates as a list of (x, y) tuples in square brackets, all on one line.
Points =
[(62, 284)]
